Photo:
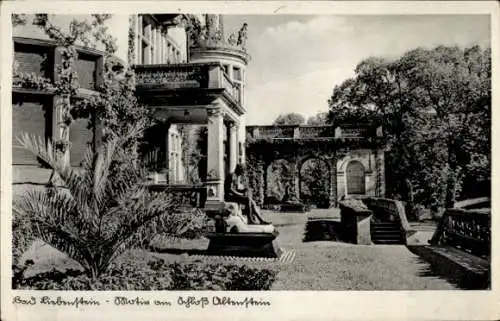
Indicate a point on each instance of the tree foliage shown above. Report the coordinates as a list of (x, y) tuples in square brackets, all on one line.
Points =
[(321, 118), (435, 107), (290, 119), (315, 182)]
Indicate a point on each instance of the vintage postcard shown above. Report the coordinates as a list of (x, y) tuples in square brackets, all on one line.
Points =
[(249, 160)]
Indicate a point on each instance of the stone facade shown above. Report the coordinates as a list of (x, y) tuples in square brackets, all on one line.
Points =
[(34, 111), (353, 155)]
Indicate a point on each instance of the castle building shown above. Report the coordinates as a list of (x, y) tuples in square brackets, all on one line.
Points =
[(195, 78), (191, 73)]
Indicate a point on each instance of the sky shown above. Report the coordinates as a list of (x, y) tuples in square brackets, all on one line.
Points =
[(296, 60)]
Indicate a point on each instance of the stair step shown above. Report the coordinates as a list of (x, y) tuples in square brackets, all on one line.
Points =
[(394, 242), (382, 237)]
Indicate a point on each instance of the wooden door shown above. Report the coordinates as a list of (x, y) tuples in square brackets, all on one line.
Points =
[(355, 178)]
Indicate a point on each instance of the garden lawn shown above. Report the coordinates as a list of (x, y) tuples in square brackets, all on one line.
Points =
[(320, 265), (327, 265)]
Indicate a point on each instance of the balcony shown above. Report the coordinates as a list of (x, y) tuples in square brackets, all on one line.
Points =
[(186, 84), (313, 132)]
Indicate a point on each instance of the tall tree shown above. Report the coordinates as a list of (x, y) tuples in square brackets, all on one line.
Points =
[(290, 119), (435, 107), (320, 118)]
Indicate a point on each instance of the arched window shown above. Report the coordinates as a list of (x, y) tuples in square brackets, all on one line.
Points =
[(355, 176)]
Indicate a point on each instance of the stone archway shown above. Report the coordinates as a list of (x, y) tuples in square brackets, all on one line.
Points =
[(315, 182), (355, 178)]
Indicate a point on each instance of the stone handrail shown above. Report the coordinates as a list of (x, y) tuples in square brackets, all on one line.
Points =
[(383, 208), (467, 230), (474, 203)]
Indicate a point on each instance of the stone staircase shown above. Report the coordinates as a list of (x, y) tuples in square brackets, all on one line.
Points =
[(387, 233)]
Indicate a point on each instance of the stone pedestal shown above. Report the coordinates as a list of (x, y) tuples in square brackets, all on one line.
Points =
[(215, 160), (244, 244)]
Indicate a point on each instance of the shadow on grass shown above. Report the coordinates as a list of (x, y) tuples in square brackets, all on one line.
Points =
[(456, 276), (323, 230)]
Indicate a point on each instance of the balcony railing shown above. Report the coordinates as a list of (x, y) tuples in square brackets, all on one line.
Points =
[(311, 132), (233, 88), (181, 76)]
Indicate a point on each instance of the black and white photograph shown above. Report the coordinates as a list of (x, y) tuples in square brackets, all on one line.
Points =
[(186, 151)]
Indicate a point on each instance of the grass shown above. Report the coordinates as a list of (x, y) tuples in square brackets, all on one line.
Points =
[(319, 265)]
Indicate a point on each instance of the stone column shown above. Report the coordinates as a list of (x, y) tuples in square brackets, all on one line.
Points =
[(147, 54), (137, 42), (333, 181), (166, 152), (233, 145), (215, 159), (241, 142), (158, 45)]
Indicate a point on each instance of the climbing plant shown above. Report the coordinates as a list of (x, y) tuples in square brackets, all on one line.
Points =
[(131, 40), (65, 84), (255, 175)]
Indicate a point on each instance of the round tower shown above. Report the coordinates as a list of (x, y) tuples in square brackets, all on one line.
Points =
[(230, 51)]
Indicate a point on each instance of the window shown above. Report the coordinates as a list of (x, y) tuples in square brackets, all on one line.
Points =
[(34, 59), (237, 74), (86, 68)]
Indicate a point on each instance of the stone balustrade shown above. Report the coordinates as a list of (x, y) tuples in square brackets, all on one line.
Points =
[(233, 88), (186, 75), (467, 230), (312, 132)]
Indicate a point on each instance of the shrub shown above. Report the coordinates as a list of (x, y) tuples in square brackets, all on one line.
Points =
[(22, 237), (154, 277), (194, 276), (96, 213), (182, 224)]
